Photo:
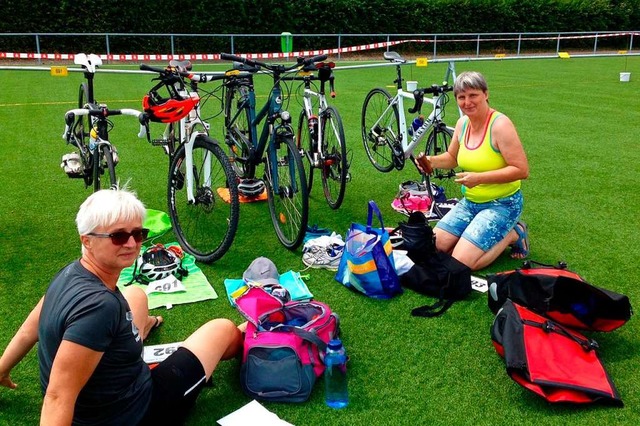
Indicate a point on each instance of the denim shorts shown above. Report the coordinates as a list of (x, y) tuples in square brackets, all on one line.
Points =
[(483, 224)]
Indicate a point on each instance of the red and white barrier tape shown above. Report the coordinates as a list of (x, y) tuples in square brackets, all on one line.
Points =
[(277, 55)]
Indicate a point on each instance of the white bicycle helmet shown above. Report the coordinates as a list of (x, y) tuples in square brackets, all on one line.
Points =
[(251, 187), (158, 262)]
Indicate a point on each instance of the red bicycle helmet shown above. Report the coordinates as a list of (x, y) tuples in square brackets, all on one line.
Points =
[(167, 110)]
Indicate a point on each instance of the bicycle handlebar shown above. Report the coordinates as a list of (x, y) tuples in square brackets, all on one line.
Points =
[(325, 73), (70, 116), (171, 73), (434, 90), (273, 67)]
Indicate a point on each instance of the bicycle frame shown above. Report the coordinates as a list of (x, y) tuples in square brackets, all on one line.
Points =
[(270, 112), (408, 142), (187, 129), (187, 136), (307, 100)]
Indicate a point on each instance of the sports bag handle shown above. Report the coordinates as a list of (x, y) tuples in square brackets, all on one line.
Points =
[(438, 308), (435, 310), (311, 337), (527, 264), (373, 208)]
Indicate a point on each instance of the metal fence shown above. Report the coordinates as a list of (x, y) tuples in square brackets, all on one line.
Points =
[(436, 45)]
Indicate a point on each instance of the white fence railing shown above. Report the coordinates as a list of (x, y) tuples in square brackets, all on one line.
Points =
[(480, 44)]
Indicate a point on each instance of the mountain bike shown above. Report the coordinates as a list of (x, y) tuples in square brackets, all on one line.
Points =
[(201, 177), (320, 136), (385, 135), (87, 129), (275, 147)]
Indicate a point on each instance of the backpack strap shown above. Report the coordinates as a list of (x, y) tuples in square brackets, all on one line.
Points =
[(552, 327)]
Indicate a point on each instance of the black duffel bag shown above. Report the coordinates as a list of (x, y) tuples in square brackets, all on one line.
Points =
[(441, 276)]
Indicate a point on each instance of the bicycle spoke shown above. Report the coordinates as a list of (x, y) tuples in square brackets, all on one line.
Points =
[(287, 192), (437, 143), (334, 162), (206, 225), (380, 129)]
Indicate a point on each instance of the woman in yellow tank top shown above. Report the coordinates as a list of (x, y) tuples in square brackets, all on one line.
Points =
[(486, 146)]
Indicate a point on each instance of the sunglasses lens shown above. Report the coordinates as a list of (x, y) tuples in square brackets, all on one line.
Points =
[(144, 233), (121, 238)]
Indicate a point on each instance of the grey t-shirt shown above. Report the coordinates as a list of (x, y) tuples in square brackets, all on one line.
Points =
[(79, 308)]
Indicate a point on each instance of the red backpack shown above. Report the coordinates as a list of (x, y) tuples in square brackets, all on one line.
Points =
[(283, 345), (555, 362)]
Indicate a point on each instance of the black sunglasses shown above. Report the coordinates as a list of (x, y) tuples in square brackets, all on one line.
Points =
[(121, 237)]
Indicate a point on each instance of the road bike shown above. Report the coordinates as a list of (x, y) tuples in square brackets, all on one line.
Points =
[(320, 136), (274, 147), (87, 129), (387, 140), (202, 188)]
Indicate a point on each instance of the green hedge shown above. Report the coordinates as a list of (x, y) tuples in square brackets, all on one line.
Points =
[(308, 17)]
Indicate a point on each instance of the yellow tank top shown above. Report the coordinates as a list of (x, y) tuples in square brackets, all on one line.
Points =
[(483, 158)]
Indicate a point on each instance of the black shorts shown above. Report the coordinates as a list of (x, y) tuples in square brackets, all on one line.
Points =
[(177, 382)]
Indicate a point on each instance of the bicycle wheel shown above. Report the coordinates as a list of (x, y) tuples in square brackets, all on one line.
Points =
[(237, 129), (438, 143), (380, 129), (334, 152), (306, 144), (286, 189), (104, 170), (206, 226), (82, 126)]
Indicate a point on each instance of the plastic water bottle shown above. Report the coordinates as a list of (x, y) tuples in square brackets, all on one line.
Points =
[(416, 123), (335, 375), (93, 138)]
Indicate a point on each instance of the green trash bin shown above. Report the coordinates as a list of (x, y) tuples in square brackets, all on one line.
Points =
[(286, 42)]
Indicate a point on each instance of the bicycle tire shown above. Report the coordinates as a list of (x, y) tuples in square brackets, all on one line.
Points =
[(437, 143), (103, 168), (206, 227), (378, 142), (81, 129), (306, 147), (287, 191), (82, 126), (334, 166), (237, 133)]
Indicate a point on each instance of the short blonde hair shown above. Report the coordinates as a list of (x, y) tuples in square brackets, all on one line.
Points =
[(108, 206)]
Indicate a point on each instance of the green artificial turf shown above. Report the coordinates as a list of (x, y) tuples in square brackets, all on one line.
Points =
[(579, 126)]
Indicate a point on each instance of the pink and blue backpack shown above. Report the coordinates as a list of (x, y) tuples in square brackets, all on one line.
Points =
[(284, 345)]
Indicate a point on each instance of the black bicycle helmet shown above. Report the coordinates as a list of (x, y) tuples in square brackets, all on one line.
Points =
[(251, 187)]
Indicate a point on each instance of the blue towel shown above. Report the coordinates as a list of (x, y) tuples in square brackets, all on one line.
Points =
[(290, 280)]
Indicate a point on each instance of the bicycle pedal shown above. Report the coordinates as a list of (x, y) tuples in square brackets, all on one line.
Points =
[(159, 142)]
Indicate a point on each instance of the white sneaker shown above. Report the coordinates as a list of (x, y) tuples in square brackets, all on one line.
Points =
[(323, 252)]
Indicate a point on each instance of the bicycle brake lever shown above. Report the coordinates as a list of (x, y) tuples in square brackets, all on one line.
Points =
[(418, 95), (68, 121), (144, 126), (67, 131)]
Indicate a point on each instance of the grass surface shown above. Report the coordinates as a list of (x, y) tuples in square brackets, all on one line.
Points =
[(579, 126)]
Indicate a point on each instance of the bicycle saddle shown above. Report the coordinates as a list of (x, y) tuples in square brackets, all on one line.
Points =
[(394, 57), (182, 66)]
